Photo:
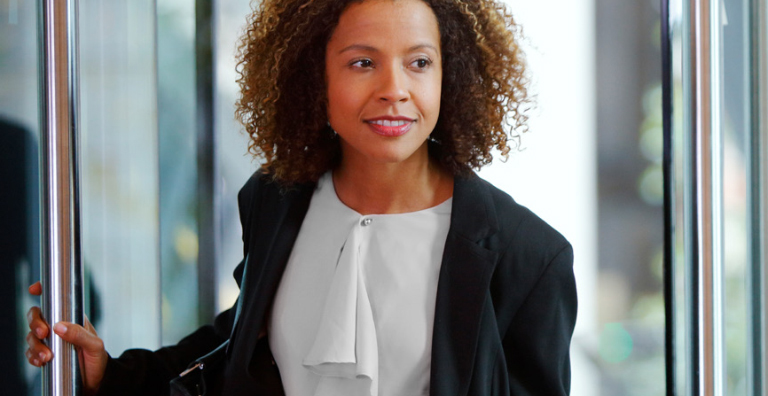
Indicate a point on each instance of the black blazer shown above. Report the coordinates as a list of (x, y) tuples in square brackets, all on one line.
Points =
[(504, 315)]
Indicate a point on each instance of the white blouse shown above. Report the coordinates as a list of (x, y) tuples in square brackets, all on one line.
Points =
[(354, 311)]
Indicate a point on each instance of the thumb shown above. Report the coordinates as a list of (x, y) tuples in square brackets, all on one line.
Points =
[(80, 337)]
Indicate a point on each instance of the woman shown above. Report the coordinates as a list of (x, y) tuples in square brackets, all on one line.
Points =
[(375, 262)]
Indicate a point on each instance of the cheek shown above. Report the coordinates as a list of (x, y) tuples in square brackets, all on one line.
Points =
[(433, 97), (345, 101), (335, 100), (338, 106), (334, 93)]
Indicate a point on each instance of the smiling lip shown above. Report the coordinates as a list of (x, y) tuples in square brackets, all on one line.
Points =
[(390, 126)]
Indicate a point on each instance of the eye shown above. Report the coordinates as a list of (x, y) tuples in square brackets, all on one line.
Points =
[(421, 63), (362, 63)]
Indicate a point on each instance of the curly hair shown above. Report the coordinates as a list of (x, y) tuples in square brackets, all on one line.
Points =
[(281, 66)]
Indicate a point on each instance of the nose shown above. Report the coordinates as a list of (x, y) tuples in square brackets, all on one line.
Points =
[(394, 85)]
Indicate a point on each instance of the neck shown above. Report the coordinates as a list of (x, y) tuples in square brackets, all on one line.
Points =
[(386, 188)]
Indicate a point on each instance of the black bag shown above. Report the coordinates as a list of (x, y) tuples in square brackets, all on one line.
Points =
[(203, 376)]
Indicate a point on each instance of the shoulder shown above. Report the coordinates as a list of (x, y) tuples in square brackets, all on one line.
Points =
[(259, 182), (526, 246), (534, 260), (511, 225), (262, 189), (522, 228)]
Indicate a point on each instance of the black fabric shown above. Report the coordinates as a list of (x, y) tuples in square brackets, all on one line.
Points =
[(203, 377), (504, 315), (143, 372)]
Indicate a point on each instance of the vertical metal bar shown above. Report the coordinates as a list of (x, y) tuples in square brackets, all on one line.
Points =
[(61, 264), (707, 243), (757, 367), (690, 224), (669, 201), (762, 163), (716, 191), (206, 163)]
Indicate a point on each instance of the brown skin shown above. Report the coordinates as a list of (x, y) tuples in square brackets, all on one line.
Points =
[(383, 62), (90, 348)]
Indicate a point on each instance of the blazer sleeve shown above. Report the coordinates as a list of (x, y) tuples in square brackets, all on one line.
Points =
[(143, 372), (537, 344), (140, 372)]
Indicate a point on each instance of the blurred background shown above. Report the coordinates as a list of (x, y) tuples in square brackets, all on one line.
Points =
[(163, 159)]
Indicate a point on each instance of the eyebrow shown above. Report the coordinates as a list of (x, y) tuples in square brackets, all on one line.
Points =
[(368, 48)]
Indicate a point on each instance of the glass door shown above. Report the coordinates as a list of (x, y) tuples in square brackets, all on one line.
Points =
[(717, 137), (125, 151)]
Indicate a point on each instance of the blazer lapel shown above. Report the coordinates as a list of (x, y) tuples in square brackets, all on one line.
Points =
[(272, 237), (463, 285)]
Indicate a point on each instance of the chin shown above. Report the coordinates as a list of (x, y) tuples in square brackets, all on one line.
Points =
[(398, 155)]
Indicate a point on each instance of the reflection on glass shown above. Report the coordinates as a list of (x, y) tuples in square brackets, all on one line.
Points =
[(119, 170), (19, 233)]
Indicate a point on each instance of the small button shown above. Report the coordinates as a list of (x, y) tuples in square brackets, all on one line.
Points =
[(366, 221)]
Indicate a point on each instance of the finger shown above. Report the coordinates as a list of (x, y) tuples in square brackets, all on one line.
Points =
[(36, 289), (36, 323), (79, 336), (37, 352), (33, 360)]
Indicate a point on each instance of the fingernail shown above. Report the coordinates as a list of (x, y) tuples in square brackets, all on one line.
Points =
[(36, 362), (60, 328), (42, 356), (39, 332)]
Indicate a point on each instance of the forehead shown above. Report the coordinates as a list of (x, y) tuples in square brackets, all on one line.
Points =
[(386, 21)]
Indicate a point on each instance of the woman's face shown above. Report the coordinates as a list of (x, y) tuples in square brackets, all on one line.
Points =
[(384, 74)]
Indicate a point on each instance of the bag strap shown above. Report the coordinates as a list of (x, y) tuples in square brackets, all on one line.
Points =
[(239, 305)]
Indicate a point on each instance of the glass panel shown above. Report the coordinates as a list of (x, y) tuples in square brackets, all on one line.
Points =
[(120, 171), (736, 131), (178, 167)]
